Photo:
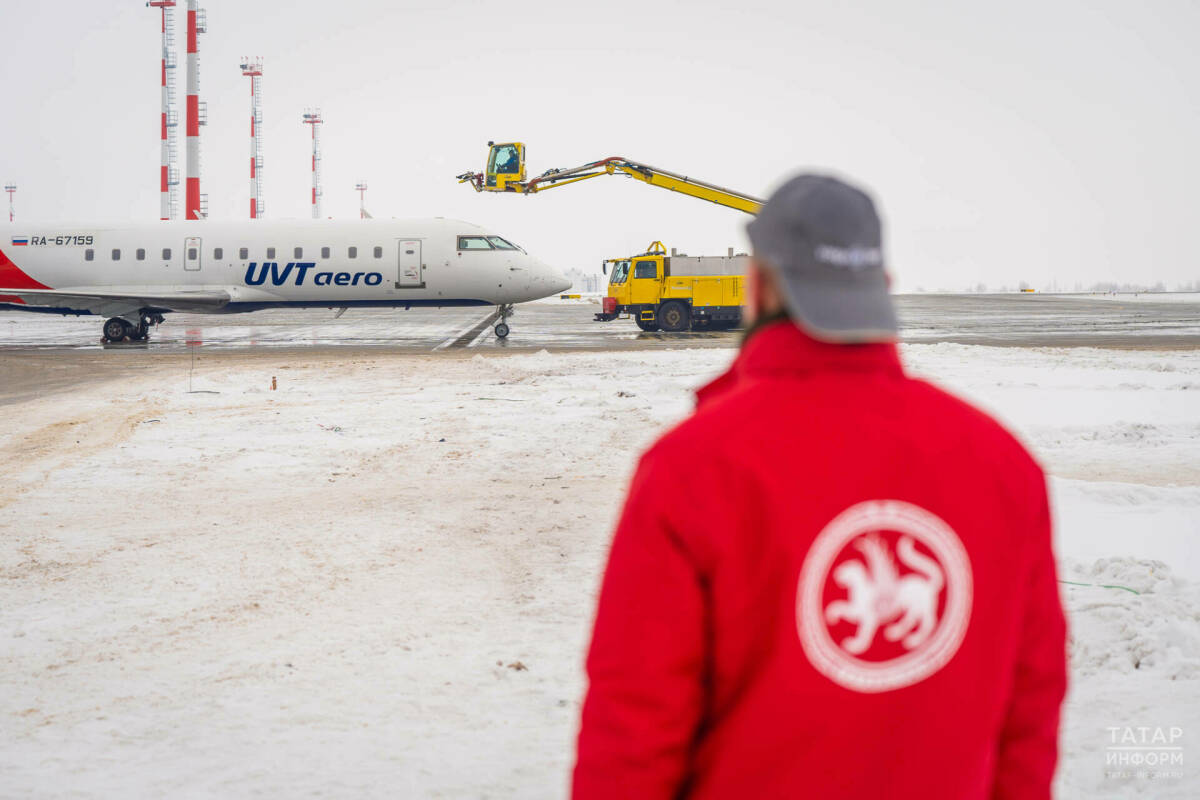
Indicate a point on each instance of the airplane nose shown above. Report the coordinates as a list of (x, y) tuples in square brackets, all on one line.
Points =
[(552, 278)]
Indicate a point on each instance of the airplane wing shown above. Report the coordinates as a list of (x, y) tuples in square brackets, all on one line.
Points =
[(112, 304)]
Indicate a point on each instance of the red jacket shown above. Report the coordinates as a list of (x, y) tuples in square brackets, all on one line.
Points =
[(832, 581)]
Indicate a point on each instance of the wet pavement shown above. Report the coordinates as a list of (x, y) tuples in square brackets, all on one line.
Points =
[(1040, 320), (997, 320)]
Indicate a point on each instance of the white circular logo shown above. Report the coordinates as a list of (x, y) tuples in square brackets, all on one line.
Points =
[(884, 596)]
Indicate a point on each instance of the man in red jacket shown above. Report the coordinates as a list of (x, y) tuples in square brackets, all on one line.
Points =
[(833, 580)]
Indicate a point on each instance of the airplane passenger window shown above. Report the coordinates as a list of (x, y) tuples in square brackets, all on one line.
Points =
[(502, 244), (141, 254), (352, 252), (271, 252), (193, 253), (89, 254), (218, 253), (379, 252), (298, 252), (166, 254), (116, 255), (324, 252), (473, 243), (243, 253)]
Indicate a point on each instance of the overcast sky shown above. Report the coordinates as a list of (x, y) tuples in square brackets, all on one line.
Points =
[(1038, 141)]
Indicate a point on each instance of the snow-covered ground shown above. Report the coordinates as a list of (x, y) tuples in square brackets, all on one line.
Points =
[(1119, 432), (377, 580)]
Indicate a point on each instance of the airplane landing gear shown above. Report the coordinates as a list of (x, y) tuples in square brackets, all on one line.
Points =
[(505, 311), (116, 329), (119, 329)]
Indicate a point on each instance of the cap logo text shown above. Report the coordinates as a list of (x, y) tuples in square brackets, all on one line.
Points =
[(854, 258)]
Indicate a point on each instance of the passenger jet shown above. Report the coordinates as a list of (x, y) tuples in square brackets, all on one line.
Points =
[(133, 275)]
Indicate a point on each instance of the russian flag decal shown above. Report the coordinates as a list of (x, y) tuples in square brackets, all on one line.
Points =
[(20, 241)]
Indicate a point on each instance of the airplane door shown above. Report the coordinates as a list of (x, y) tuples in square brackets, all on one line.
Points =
[(191, 253), (412, 271)]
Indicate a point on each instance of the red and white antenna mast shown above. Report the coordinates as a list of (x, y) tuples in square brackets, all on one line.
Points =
[(168, 170), (11, 188), (313, 117), (361, 188), (253, 69), (195, 204)]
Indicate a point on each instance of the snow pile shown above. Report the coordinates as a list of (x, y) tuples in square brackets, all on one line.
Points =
[(1131, 615), (1135, 664)]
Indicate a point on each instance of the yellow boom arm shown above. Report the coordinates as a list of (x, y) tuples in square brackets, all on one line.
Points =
[(506, 173)]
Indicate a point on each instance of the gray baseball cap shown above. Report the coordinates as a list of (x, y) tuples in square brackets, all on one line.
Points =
[(822, 237)]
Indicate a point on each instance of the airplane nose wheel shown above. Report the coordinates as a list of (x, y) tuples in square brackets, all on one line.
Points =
[(505, 310)]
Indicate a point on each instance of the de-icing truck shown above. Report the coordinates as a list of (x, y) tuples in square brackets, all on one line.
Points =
[(675, 292)]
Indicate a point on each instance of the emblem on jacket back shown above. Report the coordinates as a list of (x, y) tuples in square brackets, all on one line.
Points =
[(884, 596), (878, 593)]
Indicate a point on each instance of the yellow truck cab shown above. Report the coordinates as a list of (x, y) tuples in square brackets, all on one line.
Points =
[(675, 293)]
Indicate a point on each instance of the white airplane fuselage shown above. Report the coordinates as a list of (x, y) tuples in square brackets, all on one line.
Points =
[(225, 267)]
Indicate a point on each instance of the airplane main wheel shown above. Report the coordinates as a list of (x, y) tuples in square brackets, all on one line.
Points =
[(116, 329), (674, 316), (501, 331)]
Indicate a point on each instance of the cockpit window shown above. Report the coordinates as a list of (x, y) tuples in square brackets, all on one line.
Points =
[(620, 272), (505, 160), (502, 244), (473, 243)]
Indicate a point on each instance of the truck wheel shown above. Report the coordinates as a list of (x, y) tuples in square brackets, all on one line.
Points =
[(674, 316), (647, 325)]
